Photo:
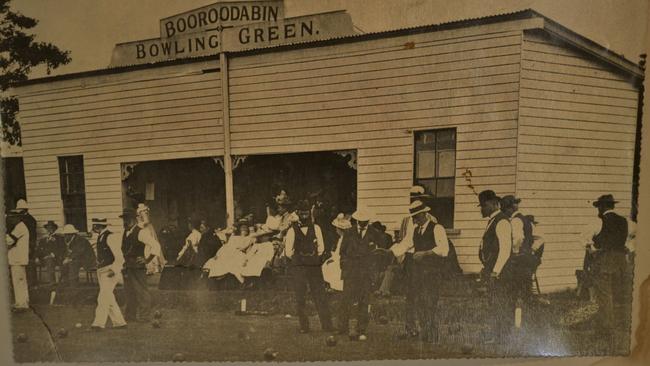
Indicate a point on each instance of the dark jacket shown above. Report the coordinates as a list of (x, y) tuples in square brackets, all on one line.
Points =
[(489, 251), (613, 234), (357, 258), (80, 251), (51, 245)]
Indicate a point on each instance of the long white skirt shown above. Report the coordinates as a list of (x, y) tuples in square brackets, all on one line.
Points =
[(332, 272), (258, 257), (229, 259)]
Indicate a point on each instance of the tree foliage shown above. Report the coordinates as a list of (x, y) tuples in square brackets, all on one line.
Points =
[(19, 53)]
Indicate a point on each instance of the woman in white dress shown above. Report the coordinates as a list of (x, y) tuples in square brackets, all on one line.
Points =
[(332, 267), (259, 256), (232, 256), (143, 218)]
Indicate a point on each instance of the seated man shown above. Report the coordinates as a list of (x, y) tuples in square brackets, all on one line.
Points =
[(79, 254), (50, 251)]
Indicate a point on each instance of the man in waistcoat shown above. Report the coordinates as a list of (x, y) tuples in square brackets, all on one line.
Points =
[(50, 251), (139, 248), (357, 270), (304, 246), (523, 261), (495, 252), (608, 261), (109, 272)]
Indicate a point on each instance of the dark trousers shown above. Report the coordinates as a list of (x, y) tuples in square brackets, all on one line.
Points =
[(311, 278), (356, 289), (502, 299), (49, 264), (609, 269), (427, 293), (70, 273), (410, 294), (138, 298)]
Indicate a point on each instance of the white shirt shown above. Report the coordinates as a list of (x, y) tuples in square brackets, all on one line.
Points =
[(191, 240), (291, 237), (517, 232), (151, 245), (18, 254), (440, 235), (115, 244), (406, 244), (504, 236)]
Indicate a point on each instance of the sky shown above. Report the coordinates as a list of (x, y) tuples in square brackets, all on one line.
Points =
[(90, 28)]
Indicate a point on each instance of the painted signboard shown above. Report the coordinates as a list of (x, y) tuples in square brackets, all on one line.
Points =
[(221, 15), (244, 37)]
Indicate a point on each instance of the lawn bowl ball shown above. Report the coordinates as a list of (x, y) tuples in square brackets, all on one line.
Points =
[(383, 319), (178, 357), (270, 354), (331, 341), (466, 349), (22, 338), (288, 316), (157, 314), (155, 323), (78, 325), (62, 333)]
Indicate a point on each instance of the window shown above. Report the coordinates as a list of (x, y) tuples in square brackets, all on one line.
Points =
[(73, 190), (435, 169)]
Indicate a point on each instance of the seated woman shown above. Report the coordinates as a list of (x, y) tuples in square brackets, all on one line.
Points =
[(231, 257), (332, 267), (188, 256), (259, 256)]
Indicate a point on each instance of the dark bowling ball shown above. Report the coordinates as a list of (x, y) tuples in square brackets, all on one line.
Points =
[(62, 333), (331, 341), (270, 354), (157, 314), (178, 357), (155, 323), (22, 338)]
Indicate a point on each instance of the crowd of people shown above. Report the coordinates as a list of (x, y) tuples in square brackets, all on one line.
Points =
[(348, 253)]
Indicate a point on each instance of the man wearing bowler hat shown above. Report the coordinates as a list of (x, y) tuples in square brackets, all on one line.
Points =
[(139, 248), (495, 252), (109, 273), (609, 260), (50, 251)]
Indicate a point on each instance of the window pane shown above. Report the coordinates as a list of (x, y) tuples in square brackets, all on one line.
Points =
[(447, 164), (428, 184), (426, 164), (445, 187), (443, 210), (446, 139), (425, 140)]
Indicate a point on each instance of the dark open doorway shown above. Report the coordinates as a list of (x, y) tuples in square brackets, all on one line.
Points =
[(331, 176), (177, 189)]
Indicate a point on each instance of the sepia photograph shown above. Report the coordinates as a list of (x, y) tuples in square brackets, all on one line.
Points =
[(337, 180)]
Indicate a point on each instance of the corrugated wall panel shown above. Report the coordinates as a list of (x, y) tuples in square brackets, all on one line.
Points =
[(576, 142), (163, 113), (372, 95)]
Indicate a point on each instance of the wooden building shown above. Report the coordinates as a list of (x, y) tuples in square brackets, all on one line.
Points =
[(515, 103)]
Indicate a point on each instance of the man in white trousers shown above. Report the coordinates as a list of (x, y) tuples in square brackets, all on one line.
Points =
[(109, 271), (18, 257)]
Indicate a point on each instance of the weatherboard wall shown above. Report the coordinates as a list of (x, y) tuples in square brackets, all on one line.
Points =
[(169, 112), (577, 127)]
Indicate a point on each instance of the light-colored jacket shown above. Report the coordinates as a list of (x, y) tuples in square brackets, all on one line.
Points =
[(18, 243)]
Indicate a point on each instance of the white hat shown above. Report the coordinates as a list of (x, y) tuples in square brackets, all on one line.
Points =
[(70, 229), (263, 230), (418, 207), (341, 222), (22, 205), (361, 214)]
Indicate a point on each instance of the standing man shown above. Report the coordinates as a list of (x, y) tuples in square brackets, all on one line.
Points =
[(495, 251), (18, 257), (139, 248), (357, 246), (22, 208), (304, 245), (609, 261), (50, 251), (109, 272), (523, 261), (79, 253)]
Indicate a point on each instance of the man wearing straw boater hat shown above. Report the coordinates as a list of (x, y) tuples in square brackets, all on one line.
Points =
[(495, 252), (304, 245), (109, 273), (608, 261)]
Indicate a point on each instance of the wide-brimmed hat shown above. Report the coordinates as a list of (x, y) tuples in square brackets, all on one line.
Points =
[(361, 214), (418, 207), (486, 196), (100, 221), (341, 222), (418, 192), (51, 223), (531, 218), (70, 229), (509, 201), (128, 213), (606, 199)]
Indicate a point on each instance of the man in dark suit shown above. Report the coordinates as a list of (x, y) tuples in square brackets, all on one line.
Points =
[(357, 270), (609, 260)]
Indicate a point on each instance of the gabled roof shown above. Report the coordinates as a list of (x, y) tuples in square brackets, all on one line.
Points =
[(546, 24)]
